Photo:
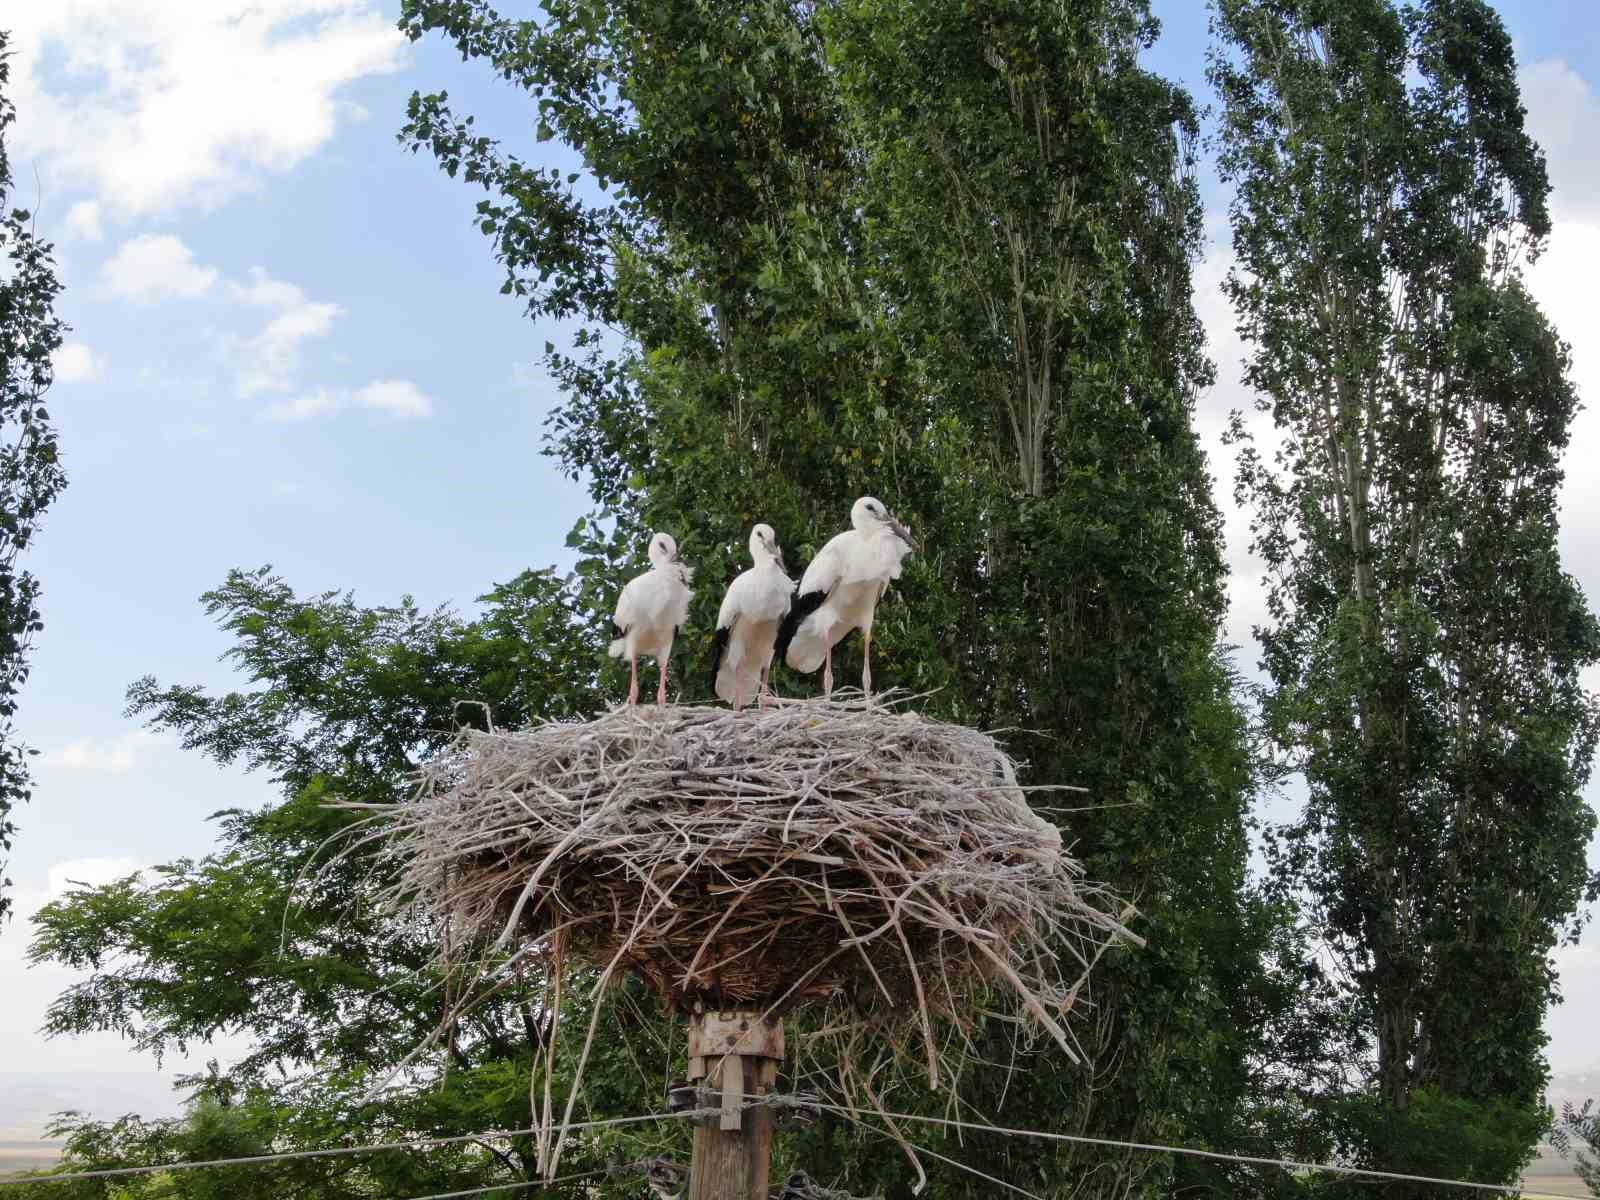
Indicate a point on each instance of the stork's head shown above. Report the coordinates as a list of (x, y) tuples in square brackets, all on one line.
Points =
[(869, 515), (663, 549), (764, 545)]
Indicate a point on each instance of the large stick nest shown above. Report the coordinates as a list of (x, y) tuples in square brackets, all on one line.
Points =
[(815, 849)]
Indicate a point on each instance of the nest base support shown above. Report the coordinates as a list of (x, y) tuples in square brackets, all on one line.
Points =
[(734, 1053)]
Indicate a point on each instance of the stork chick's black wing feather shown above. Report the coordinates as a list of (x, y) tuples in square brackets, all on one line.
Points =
[(802, 608), (719, 644)]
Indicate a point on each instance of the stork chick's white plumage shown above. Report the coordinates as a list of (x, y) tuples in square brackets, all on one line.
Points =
[(747, 624), (840, 591), (650, 611)]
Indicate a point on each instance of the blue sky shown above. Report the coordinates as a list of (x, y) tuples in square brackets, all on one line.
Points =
[(289, 348)]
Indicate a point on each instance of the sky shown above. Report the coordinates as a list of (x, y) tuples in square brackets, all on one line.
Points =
[(288, 348)]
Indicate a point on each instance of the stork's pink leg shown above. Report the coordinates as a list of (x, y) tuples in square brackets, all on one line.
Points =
[(633, 683), (763, 695), (661, 689), (827, 673), (866, 663)]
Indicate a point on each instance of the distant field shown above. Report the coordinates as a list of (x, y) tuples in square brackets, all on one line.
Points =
[(16, 1157), (1552, 1173)]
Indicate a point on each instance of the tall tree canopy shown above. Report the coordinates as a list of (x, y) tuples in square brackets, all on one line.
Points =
[(936, 252), (1424, 643), (30, 473)]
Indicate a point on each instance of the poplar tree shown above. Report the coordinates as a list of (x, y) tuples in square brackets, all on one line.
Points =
[(30, 472), (1424, 643)]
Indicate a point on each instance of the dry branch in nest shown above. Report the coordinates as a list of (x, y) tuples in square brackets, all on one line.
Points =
[(838, 850)]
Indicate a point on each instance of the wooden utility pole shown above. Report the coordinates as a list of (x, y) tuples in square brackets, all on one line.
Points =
[(734, 1055)]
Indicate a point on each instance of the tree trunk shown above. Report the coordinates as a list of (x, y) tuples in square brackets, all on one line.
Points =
[(1396, 1032)]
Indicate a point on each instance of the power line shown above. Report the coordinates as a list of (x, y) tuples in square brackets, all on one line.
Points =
[(498, 1187), (915, 1150), (340, 1151), (1289, 1163), (778, 1101), (501, 1187)]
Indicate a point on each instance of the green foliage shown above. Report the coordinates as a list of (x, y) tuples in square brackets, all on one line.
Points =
[(353, 699), (1425, 645), (1439, 1134), (30, 470), (256, 940), (224, 1120), (939, 253)]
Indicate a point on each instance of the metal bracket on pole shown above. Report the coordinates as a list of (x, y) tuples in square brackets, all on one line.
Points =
[(733, 1059), (719, 1042)]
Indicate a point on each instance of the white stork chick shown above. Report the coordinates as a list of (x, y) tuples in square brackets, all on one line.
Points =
[(840, 591), (650, 611), (747, 625)]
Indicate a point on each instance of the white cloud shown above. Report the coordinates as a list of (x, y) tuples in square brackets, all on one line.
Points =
[(1563, 283), (118, 754), (267, 292), (83, 221), (89, 872), (268, 361), (76, 363), (154, 267), (1247, 579), (302, 408), (157, 103), (1563, 112), (398, 397), (1574, 1033)]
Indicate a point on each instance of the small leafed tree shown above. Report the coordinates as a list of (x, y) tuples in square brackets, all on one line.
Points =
[(262, 940), (30, 473), (1580, 1124), (1424, 643)]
